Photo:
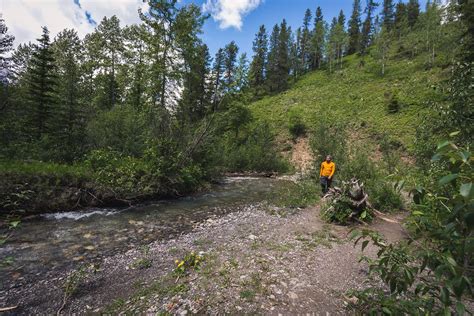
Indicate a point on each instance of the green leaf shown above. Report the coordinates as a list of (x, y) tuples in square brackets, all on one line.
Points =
[(417, 213), (364, 244), (454, 133), (448, 178), (386, 311), (363, 214), (465, 155), (460, 308), (467, 190), (443, 144), (451, 261)]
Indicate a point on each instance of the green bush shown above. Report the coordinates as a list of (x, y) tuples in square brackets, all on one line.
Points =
[(384, 197), (296, 126)]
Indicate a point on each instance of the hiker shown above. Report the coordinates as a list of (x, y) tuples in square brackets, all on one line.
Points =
[(326, 173)]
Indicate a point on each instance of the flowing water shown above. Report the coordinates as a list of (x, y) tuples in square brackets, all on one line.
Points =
[(55, 241)]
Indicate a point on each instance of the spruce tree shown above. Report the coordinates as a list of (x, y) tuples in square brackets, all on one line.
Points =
[(413, 11), (388, 14), (242, 73), (217, 75), (367, 27), (283, 58), (259, 61), (42, 87), (6, 45), (230, 58), (318, 40), (67, 49), (305, 41), (354, 29), (272, 64), (401, 18), (295, 54)]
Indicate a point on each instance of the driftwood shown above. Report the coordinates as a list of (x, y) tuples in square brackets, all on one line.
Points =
[(354, 191)]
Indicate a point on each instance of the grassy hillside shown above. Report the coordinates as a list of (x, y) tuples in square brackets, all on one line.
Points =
[(358, 97)]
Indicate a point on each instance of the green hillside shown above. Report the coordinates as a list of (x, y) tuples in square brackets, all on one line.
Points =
[(358, 96)]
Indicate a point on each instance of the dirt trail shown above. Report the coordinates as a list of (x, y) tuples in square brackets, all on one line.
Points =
[(257, 260), (301, 155)]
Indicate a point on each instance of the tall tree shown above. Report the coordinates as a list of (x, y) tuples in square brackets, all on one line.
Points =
[(42, 87), (388, 14), (217, 77), (67, 49), (231, 51), (272, 64), (257, 67), (341, 21), (318, 39), (466, 14), (401, 19), (305, 41), (431, 22), (295, 54), (367, 27), (6, 45), (413, 11), (354, 28), (111, 41), (242, 73), (382, 45), (283, 57)]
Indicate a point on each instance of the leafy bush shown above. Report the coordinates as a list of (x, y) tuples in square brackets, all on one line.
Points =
[(433, 275), (296, 126), (393, 105), (384, 197)]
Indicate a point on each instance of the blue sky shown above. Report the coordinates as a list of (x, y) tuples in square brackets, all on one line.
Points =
[(236, 20)]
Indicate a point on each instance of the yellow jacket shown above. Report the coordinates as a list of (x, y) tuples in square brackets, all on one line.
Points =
[(327, 169)]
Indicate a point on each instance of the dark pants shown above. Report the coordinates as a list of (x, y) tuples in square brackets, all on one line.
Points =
[(325, 184)]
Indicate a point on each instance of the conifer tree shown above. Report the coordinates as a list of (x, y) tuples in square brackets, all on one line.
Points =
[(295, 54), (6, 45), (42, 87), (318, 40), (413, 11), (242, 73), (259, 61), (217, 75), (283, 58), (388, 14), (305, 41), (367, 27), (67, 49), (272, 64), (401, 19), (354, 29), (230, 58)]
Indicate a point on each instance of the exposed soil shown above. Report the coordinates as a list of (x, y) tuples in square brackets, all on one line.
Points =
[(301, 156), (257, 260)]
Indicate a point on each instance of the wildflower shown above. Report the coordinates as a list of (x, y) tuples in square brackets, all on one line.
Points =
[(180, 264)]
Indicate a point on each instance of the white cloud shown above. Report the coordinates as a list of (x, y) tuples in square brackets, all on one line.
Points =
[(25, 18), (229, 13)]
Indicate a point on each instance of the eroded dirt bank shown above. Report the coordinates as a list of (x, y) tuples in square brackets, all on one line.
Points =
[(256, 260)]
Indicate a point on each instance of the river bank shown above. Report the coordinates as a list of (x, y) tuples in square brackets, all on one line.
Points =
[(256, 259)]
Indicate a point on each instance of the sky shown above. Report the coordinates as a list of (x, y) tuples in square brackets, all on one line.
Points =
[(236, 20)]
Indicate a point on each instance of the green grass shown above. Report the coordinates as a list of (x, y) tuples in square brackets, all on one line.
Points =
[(358, 97), (43, 168)]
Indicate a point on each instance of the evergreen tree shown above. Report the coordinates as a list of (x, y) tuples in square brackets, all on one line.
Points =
[(6, 45), (272, 64), (283, 57), (367, 27), (413, 11), (305, 41), (111, 44), (230, 58), (318, 39), (388, 14), (217, 75), (67, 49), (341, 19), (354, 29), (295, 54), (242, 73), (401, 19), (259, 61), (42, 87), (466, 14)]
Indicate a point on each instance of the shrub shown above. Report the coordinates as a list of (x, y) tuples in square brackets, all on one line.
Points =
[(296, 126), (384, 197), (393, 105)]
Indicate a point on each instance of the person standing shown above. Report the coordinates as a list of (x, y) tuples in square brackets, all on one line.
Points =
[(326, 173)]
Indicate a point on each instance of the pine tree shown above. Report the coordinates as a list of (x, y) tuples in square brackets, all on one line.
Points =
[(111, 41), (318, 40), (295, 54), (413, 11), (401, 19), (305, 41), (6, 45), (230, 58), (354, 29), (242, 73), (67, 49), (259, 61), (466, 15), (217, 75), (272, 64), (283, 57), (367, 27), (388, 14), (42, 87), (341, 21)]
